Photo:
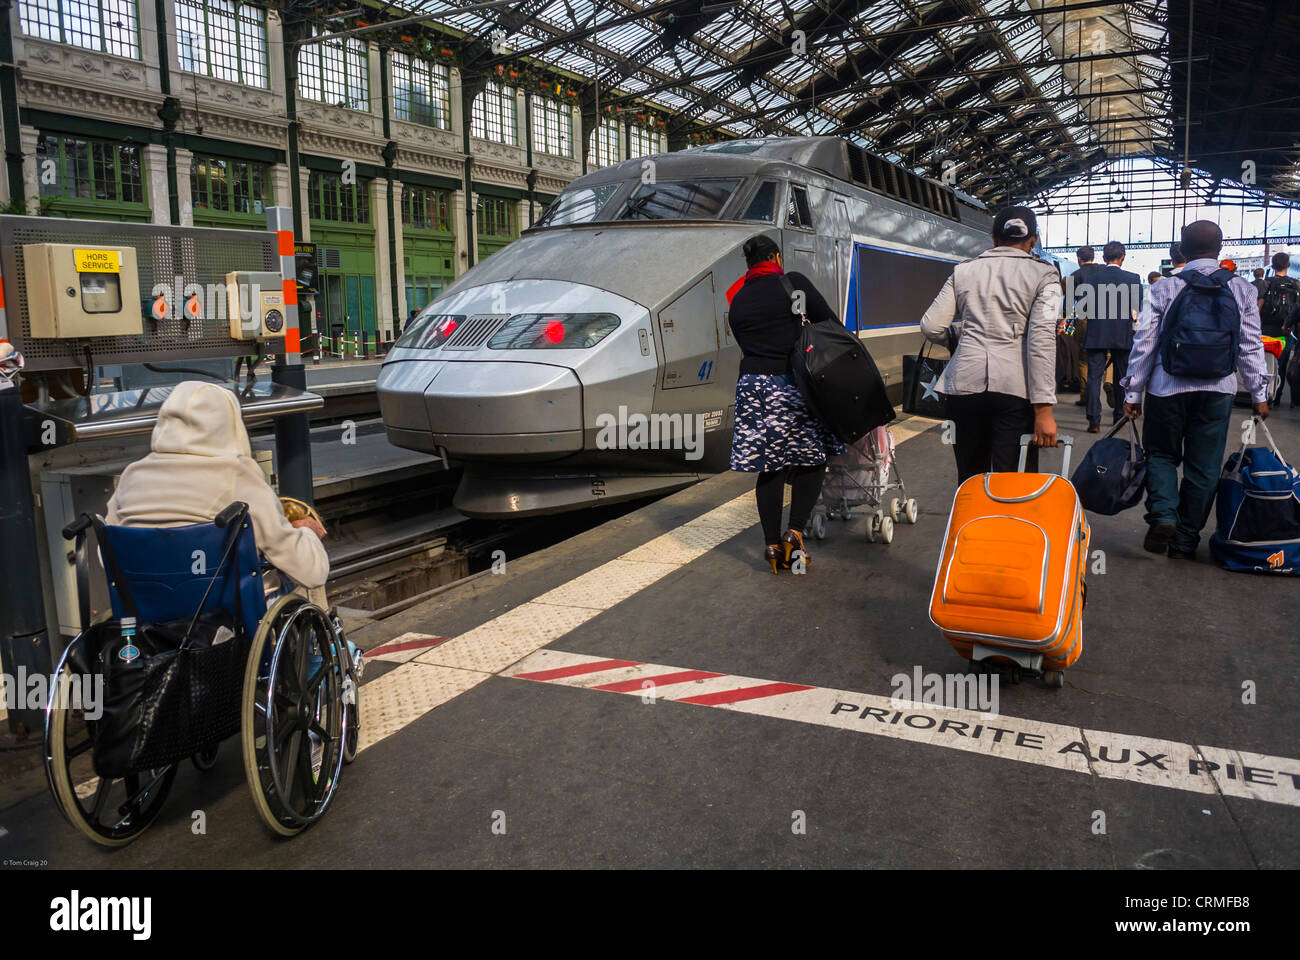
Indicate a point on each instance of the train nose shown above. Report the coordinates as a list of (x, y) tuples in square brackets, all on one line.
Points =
[(482, 409)]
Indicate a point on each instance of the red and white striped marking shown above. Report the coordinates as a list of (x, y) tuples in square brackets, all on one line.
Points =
[(406, 647), (1113, 756)]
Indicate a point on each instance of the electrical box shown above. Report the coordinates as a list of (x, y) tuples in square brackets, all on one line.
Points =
[(76, 290), (255, 304)]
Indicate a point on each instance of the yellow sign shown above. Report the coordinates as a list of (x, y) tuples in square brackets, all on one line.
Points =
[(97, 261)]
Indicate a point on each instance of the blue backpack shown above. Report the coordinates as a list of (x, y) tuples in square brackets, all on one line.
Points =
[(1202, 328), (1258, 512)]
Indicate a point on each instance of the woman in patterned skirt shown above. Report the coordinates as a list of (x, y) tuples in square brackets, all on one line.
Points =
[(776, 434)]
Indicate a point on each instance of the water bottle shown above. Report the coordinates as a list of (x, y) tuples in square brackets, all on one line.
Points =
[(128, 651)]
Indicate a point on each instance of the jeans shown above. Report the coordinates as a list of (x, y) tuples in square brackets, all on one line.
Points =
[(1096, 374), (987, 429), (1191, 429)]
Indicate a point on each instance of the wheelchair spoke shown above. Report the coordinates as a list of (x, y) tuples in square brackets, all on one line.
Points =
[(314, 684), (289, 767), (281, 735), (100, 800), (306, 776)]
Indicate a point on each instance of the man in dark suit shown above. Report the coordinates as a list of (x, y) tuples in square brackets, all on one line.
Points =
[(1111, 298), (1087, 267)]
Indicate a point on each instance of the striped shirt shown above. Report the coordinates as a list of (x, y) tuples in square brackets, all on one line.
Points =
[(1145, 373)]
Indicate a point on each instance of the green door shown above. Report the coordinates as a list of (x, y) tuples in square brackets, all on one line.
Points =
[(368, 304), (353, 308)]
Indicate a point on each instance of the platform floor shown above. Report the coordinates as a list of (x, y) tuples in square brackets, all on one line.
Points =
[(467, 764)]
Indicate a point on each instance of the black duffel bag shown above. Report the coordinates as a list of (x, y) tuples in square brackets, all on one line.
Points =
[(922, 378), (167, 698), (838, 378), (1112, 476)]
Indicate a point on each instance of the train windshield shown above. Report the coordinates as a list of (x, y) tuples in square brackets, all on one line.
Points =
[(578, 206), (678, 200)]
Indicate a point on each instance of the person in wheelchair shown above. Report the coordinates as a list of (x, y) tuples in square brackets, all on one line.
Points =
[(194, 653), (199, 463)]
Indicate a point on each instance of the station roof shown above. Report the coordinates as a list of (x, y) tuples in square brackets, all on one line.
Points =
[(1012, 97)]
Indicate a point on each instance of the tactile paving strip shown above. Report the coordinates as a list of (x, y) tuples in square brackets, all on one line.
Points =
[(507, 638), (390, 702), (608, 584)]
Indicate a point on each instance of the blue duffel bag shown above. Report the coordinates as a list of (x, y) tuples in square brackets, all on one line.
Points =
[(1112, 474), (1258, 512)]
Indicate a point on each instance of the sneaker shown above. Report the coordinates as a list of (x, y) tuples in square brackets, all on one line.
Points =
[(1158, 537)]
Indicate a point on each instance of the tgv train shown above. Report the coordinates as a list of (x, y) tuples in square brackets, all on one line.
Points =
[(591, 360)]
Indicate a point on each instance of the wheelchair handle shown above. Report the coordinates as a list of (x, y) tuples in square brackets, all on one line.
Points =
[(77, 526), (232, 512)]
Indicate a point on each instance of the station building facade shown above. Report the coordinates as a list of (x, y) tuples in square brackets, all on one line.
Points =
[(176, 113)]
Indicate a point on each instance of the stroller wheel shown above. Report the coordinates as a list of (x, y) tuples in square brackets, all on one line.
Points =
[(910, 510), (895, 509), (873, 529), (819, 526), (887, 529)]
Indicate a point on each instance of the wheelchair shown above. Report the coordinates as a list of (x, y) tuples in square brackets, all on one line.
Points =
[(215, 652)]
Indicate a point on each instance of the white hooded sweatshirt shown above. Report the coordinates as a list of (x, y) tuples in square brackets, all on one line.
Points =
[(200, 464)]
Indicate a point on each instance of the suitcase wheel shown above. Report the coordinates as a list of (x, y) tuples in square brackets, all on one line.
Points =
[(1054, 679)]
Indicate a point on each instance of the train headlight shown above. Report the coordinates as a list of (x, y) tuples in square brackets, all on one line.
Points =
[(429, 331), (553, 331)]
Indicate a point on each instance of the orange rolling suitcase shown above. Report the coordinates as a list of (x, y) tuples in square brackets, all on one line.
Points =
[(1009, 589)]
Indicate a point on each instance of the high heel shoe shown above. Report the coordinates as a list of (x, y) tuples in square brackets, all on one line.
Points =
[(792, 542), (773, 555)]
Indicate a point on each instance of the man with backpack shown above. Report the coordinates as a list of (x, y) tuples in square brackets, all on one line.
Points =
[(1196, 335), (1278, 304)]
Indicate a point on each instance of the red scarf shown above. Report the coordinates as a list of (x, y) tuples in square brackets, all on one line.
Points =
[(765, 268)]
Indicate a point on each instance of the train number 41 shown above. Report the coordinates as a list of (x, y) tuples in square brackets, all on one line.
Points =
[(706, 370)]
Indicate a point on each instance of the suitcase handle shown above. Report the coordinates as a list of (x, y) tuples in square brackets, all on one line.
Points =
[(1062, 440)]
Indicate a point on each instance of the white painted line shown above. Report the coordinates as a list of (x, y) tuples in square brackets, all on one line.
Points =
[(508, 638), (1111, 756)]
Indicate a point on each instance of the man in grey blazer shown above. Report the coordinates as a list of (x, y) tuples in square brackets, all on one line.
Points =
[(1001, 380)]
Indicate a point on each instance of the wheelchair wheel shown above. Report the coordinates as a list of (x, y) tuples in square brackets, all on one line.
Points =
[(293, 716), (111, 812)]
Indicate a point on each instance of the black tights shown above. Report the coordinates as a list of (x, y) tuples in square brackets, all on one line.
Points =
[(805, 488)]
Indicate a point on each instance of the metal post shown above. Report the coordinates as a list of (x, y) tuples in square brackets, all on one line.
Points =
[(292, 437), (24, 643)]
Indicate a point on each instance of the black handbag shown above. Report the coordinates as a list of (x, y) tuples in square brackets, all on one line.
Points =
[(174, 688), (922, 378), (168, 700), (836, 375)]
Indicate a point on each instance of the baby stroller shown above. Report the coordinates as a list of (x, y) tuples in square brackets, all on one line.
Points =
[(862, 476), (192, 655)]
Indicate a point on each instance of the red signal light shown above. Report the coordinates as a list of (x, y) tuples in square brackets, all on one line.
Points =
[(554, 331)]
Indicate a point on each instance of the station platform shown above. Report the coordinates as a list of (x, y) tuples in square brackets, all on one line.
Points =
[(507, 721)]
